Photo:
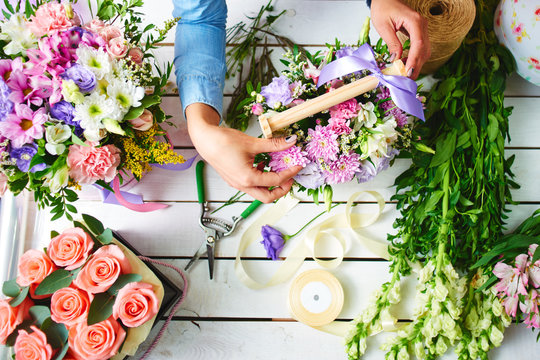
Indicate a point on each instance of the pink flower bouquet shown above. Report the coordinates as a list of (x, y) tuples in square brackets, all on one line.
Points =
[(79, 298), (79, 102)]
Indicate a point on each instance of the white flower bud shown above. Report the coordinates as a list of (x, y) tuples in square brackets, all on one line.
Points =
[(259, 98), (369, 313), (495, 336), (484, 343), (497, 308), (394, 295), (484, 324), (435, 308), (403, 354), (419, 350), (440, 291), (453, 310), (437, 323), (471, 322), (426, 273), (362, 345), (441, 346), (473, 349), (448, 324)]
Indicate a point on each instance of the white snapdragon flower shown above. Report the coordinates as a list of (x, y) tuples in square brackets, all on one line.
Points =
[(403, 354), (471, 321), (441, 346), (453, 310), (419, 350), (495, 336), (56, 135), (497, 308), (96, 60), (394, 295), (369, 313), (473, 349), (126, 95), (93, 110), (16, 32), (426, 273), (440, 291), (435, 308), (484, 343)]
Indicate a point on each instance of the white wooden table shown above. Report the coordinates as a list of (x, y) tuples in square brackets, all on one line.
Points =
[(221, 318)]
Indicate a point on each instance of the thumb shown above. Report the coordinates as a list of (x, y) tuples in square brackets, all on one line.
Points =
[(388, 33), (273, 144)]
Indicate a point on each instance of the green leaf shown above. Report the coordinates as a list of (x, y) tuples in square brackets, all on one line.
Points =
[(536, 255), (56, 280), (94, 225), (77, 140), (134, 113), (16, 301), (122, 281), (54, 234), (62, 353), (100, 308), (433, 200), (39, 313), (150, 100), (106, 237), (493, 127), (57, 334), (445, 149), (11, 289)]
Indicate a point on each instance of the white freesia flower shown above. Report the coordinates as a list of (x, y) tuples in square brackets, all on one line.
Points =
[(55, 182), (366, 116), (93, 110), (125, 93), (96, 60), (55, 136), (15, 31), (495, 336)]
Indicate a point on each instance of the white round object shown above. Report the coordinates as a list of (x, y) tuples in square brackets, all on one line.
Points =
[(316, 297), (517, 26)]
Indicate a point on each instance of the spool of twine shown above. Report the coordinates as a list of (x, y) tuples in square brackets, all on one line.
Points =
[(449, 21)]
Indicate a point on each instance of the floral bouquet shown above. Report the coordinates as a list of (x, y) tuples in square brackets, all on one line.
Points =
[(79, 101), (355, 139), (86, 296)]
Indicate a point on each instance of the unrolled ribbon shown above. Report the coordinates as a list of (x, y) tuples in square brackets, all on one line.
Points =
[(402, 89)]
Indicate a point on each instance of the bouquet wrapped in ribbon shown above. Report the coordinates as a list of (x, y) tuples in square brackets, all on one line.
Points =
[(369, 121), (79, 99), (86, 296)]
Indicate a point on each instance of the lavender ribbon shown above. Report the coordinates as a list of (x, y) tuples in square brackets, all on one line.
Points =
[(402, 89)]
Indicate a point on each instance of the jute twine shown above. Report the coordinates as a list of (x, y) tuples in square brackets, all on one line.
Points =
[(449, 21)]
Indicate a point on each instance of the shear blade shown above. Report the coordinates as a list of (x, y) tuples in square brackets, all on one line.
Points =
[(210, 260)]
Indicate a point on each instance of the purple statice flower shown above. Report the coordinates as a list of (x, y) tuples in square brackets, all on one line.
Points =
[(310, 177), (23, 156), (282, 160), (82, 76), (384, 161), (366, 172), (390, 107), (343, 169), (6, 106), (64, 112), (277, 92), (273, 241), (322, 144)]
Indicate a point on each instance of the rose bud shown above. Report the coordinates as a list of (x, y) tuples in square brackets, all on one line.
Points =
[(143, 122), (136, 55)]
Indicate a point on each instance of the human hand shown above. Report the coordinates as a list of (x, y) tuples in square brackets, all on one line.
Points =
[(390, 16), (231, 153)]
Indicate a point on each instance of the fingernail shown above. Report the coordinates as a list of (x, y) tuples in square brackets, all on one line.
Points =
[(392, 57), (410, 72), (290, 139)]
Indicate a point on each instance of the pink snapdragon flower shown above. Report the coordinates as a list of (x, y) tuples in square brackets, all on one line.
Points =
[(339, 126), (346, 110), (24, 125), (343, 169), (512, 280), (322, 144), (282, 160)]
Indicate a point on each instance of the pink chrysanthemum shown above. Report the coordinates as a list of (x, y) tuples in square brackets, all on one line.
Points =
[(390, 107), (322, 144), (339, 126), (24, 125), (346, 110), (282, 160), (344, 169)]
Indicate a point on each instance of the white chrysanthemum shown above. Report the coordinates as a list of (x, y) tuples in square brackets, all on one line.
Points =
[(125, 93), (93, 110), (19, 37), (96, 60)]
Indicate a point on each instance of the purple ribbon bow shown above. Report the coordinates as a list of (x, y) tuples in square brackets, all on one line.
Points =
[(402, 89)]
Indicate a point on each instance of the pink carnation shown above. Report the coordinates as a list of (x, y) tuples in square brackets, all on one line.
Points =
[(346, 110), (322, 144), (282, 160), (87, 164), (344, 169), (339, 126), (50, 17)]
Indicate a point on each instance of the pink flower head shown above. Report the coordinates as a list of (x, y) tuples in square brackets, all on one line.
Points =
[(94, 26), (282, 160), (343, 169), (135, 304), (530, 307), (96, 342), (50, 17), (390, 107), (513, 280), (510, 304), (27, 89), (339, 126), (24, 125), (257, 109), (7, 66), (322, 144), (312, 72), (87, 164), (32, 346), (346, 110)]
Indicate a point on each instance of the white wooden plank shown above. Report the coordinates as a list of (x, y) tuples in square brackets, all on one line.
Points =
[(291, 340)]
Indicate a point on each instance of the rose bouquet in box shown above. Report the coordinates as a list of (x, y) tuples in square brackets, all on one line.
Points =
[(73, 105), (353, 140), (86, 296)]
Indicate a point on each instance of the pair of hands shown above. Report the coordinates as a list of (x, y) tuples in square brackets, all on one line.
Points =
[(232, 152)]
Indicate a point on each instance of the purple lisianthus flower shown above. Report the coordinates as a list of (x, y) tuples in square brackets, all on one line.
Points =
[(273, 241), (6, 106), (310, 177), (82, 76), (384, 162), (64, 112), (277, 92), (366, 172), (23, 156)]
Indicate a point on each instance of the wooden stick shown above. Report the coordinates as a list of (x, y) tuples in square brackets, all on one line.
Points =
[(271, 122)]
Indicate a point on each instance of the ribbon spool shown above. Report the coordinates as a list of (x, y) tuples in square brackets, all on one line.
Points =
[(449, 21), (315, 298)]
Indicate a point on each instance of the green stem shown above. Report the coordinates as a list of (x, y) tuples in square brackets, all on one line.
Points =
[(444, 226), (288, 237)]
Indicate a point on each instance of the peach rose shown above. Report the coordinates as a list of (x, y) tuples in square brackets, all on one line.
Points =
[(143, 122), (71, 248), (3, 183), (32, 346), (11, 317), (96, 342), (34, 266), (136, 55), (87, 164), (110, 32), (70, 306), (135, 304), (48, 18), (102, 270), (117, 48), (95, 25)]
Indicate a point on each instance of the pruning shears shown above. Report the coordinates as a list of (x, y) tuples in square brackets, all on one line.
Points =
[(214, 228)]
